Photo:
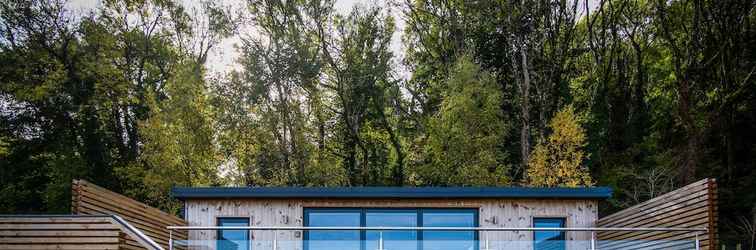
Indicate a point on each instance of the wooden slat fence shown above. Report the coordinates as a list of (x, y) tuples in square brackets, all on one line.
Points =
[(60, 232), (692, 206), (90, 199)]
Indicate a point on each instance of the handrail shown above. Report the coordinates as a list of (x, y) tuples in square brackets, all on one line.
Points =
[(592, 230), (136, 233), (583, 229)]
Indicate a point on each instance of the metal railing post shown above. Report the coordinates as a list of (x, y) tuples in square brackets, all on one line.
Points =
[(170, 239), (275, 239), (698, 243), (593, 240), (380, 240), (487, 246)]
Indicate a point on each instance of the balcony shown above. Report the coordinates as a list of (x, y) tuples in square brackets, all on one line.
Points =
[(433, 238)]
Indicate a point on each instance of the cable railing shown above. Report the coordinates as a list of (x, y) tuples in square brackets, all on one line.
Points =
[(486, 238)]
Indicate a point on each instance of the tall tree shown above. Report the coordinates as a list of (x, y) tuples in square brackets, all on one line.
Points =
[(464, 137), (361, 78)]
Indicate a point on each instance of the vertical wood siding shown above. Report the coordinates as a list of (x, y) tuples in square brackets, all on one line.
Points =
[(492, 213)]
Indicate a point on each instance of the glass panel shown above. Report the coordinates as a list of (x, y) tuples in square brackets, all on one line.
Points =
[(548, 240), (449, 240), (333, 239), (392, 240), (233, 239)]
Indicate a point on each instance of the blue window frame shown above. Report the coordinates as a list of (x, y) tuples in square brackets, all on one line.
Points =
[(548, 240), (390, 217), (233, 239)]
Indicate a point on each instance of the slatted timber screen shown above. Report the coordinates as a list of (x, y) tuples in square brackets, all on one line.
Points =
[(692, 206), (60, 232), (90, 199)]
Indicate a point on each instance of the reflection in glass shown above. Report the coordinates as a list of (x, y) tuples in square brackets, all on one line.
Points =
[(392, 240), (332, 240), (449, 240), (233, 239), (549, 240)]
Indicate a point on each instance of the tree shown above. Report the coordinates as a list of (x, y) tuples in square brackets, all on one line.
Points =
[(463, 144), (178, 141), (559, 161), (361, 79)]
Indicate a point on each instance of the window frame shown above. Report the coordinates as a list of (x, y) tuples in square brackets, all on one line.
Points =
[(247, 232), (563, 234), (419, 211)]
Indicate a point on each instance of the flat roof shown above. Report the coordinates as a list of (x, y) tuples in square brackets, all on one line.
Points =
[(185, 193)]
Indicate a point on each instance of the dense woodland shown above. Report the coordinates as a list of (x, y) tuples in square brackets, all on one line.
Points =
[(639, 95)]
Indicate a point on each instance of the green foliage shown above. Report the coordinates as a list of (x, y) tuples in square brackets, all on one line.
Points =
[(559, 161), (664, 89), (464, 137), (77, 89), (178, 141)]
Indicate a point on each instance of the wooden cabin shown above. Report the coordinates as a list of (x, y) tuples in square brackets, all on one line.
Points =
[(490, 207)]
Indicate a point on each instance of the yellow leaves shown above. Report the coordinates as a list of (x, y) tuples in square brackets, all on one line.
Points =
[(559, 160)]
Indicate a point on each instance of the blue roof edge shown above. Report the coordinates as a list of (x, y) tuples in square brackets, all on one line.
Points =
[(184, 193)]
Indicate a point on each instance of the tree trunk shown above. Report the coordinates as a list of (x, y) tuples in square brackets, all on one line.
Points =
[(525, 108)]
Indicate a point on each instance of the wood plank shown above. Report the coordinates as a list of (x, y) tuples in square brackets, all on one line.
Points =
[(89, 198), (147, 229), (693, 186), (66, 233), (59, 247), (59, 240), (57, 226), (53, 220), (87, 187), (691, 206)]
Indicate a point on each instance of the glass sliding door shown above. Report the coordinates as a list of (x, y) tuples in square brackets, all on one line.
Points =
[(392, 240), (333, 239), (449, 240)]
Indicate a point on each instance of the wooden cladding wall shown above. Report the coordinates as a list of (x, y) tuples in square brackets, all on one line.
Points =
[(60, 232), (90, 199), (491, 213), (692, 206)]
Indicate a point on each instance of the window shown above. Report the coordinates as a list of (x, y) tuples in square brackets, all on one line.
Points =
[(548, 240), (449, 240), (393, 240), (233, 239), (336, 240)]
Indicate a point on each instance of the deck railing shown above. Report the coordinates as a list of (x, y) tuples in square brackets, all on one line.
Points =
[(486, 238)]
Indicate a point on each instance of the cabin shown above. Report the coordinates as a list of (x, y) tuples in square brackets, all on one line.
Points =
[(373, 218), (392, 207)]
